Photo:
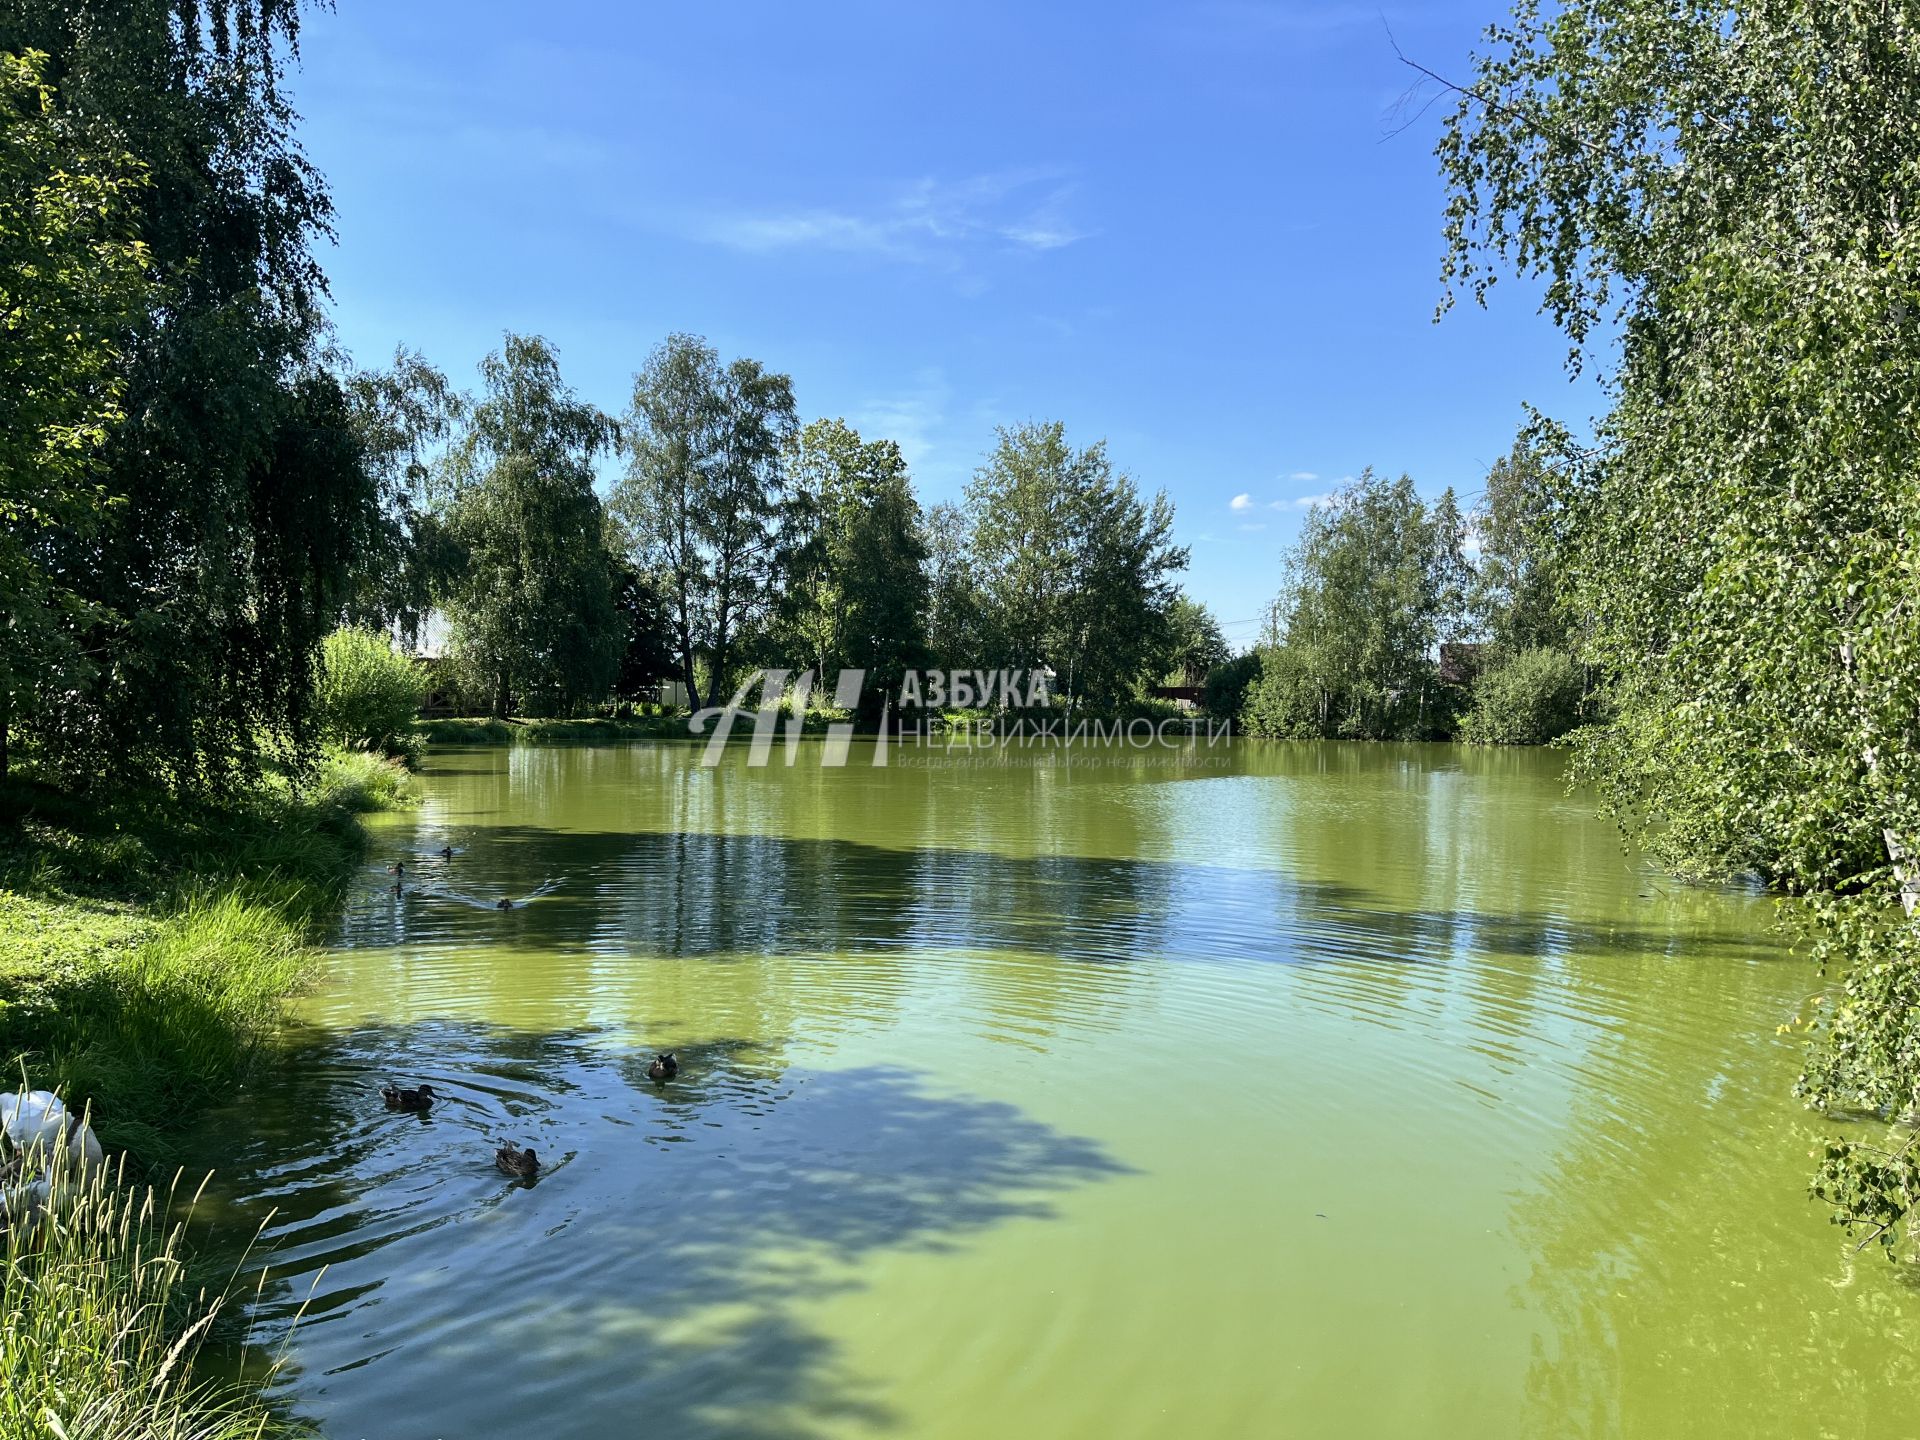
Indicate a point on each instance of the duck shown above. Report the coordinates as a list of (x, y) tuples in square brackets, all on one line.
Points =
[(505, 904), (446, 852), (510, 1160), (419, 1097), (665, 1066), (399, 867)]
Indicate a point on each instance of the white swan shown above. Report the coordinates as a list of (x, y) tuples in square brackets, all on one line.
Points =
[(23, 1205), (39, 1122)]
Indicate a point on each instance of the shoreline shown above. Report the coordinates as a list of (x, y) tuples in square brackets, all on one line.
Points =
[(148, 947)]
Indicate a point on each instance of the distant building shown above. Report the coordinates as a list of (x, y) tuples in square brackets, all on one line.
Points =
[(1187, 697)]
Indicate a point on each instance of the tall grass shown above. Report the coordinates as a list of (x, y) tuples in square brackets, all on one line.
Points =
[(102, 1324), (147, 945), (151, 1037), (355, 782)]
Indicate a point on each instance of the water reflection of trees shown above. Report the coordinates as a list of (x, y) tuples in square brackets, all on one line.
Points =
[(1457, 896), (664, 1265)]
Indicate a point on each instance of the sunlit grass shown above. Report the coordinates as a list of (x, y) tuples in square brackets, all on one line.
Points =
[(147, 945), (102, 1324), (357, 781), (150, 1036)]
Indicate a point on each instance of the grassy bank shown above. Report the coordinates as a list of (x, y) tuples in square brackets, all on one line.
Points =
[(483, 730), (146, 944), (147, 947)]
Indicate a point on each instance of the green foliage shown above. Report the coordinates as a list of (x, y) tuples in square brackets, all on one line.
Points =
[(531, 606), (233, 501), (1517, 598), (705, 497), (1374, 581), (1075, 569), (401, 415), (1529, 697), (103, 1324), (1727, 185), (955, 608), (1225, 696), (1284, 699), (855, 579), (71, 274), (369, 692), (646, 657), (1196, 646)]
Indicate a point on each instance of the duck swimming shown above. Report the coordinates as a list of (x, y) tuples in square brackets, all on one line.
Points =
[(505, 904), (665, 1066), (399, 1098), (446, 852), (512, 1161), (399, 867)]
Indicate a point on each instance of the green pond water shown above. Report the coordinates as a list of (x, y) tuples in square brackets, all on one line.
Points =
[(1245, 1090)]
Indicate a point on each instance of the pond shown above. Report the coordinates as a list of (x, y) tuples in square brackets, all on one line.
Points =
[(1238, 1090)]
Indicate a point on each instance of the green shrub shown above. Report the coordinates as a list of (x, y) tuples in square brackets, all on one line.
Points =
[(1225, 696), (1281, 700), (369, 692), (1531, 697)]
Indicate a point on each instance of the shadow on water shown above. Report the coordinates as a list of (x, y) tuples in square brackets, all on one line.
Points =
[(719, 895), (704, 1258), (662, 1265)]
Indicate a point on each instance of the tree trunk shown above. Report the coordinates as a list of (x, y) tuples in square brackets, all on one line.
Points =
[(719, 676), (687, 678)]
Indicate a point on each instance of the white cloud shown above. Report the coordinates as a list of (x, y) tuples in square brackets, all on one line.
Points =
[(1307, 502), (922, 221), (1240, 502), (1251, 529), (915, 419), (1305, 477)]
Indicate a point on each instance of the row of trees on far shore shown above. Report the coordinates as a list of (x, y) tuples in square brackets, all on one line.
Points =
[(198, 487), (735, 538), (1404, 618)]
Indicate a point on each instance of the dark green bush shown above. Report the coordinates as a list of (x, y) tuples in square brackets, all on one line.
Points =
[(1225, 695)]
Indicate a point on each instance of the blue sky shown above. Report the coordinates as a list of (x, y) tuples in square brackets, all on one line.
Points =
[(1185, 228)]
